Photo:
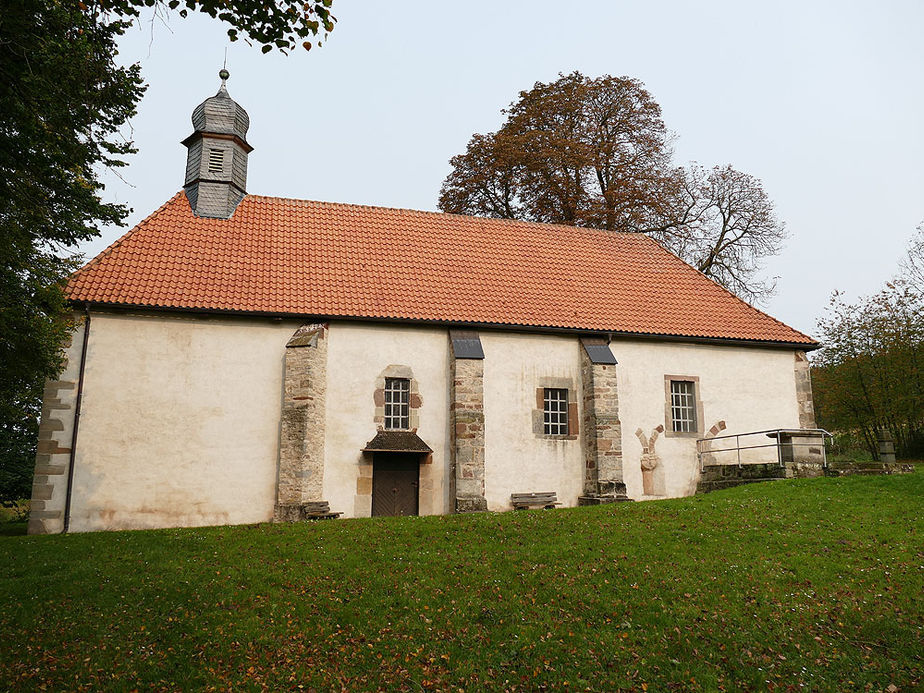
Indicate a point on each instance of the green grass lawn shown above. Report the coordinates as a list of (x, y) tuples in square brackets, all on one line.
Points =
[(796, 585)]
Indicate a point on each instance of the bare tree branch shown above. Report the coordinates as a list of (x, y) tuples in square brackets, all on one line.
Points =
[(912, 265)]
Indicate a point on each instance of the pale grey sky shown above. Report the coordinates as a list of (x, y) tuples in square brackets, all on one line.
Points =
[(824, 101)]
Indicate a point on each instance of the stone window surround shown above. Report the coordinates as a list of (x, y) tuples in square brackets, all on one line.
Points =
[(669, 431), (414, 399), (683, 405), (538, 414), (555, 411)]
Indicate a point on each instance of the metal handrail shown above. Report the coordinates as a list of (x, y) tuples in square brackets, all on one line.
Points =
[(800, 432)]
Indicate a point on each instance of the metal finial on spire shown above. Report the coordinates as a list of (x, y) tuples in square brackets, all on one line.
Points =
[(223, 72)]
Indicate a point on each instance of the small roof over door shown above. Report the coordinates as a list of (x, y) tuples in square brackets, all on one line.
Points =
[(397, 441)]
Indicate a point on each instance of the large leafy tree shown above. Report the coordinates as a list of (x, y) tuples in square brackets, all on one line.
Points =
[(595, 152), (870, 372), (280, 24), (587, 152), (63, 103)]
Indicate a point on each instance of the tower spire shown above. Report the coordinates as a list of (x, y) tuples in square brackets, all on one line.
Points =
[(216, 165), (223, 73)]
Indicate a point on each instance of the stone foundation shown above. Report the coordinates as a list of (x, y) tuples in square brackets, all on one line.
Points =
[(470, 504), (311, 510), (803, 456), (852, 468), (721, 476)]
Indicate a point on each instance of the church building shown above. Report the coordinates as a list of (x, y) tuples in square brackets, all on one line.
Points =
[(239, 358)]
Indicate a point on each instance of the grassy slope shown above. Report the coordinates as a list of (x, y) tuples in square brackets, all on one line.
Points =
[(803, 582)]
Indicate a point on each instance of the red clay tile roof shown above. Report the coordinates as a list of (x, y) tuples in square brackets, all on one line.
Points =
[(282, 256)]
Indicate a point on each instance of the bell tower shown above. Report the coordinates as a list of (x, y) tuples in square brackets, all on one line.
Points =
[(216, 165)]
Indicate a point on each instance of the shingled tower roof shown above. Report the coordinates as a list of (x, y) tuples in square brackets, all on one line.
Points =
[(220, 114), (216, 166)]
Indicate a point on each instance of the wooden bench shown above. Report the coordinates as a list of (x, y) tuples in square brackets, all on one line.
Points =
[(319, 510), (524, 501)]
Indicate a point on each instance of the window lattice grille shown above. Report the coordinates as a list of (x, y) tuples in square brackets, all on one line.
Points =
[(555, 411), (683, 406), (397, 403)]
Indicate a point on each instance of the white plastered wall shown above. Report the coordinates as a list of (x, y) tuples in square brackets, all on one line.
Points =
[(179, 422), (180, 415), (517, 460), (750, 388), (358, 353)]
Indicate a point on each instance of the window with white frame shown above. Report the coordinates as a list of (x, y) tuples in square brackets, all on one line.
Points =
[(397, 403), (683, 406), (555, 411)]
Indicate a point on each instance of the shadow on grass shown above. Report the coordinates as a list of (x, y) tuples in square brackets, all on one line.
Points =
[(13, 529)]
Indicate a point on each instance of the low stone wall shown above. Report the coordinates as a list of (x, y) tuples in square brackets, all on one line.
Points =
[(721, 476), (717, 477), (867, 468)]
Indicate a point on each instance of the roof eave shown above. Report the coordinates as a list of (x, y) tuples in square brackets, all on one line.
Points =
[(549, 329), (198, 135)]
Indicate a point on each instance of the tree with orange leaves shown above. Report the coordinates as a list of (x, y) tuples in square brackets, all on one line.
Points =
[(595, 152)]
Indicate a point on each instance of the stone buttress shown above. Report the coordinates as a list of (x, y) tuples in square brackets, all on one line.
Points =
[(602, 431), (804, 396), (466, 414), (300, 484)]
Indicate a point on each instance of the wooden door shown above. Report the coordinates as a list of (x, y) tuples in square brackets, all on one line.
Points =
[(395, 478)]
